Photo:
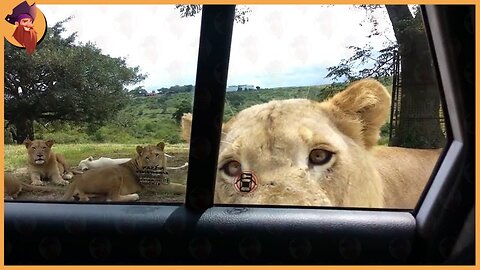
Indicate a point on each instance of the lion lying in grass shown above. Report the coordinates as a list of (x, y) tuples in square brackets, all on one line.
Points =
[(44, 164), (90, 163), (13, 186), (118, 182), (304, 152)]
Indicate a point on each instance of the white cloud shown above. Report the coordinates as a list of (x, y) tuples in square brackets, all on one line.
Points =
[(279, 46), (281, 39)]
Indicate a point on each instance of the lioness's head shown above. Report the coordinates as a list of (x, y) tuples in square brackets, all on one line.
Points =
[(151, 156), (83, 164), (38, 151), (304, 152)]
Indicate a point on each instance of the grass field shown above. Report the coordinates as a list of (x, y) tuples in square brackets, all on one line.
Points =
[(15, 155), (16, 162)]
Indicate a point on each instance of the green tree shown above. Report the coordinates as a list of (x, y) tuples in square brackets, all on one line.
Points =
[(63, 81), (241, 12), (124, 120), (183, 107), (138, 91), (419, 123)]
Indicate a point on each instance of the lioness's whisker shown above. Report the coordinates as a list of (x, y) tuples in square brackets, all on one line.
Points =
[(226, 142)]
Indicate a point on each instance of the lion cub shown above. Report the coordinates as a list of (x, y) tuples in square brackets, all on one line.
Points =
[(43, 163), (117, 182)]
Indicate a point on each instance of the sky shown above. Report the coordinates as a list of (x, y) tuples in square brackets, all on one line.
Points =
[(280, 45)]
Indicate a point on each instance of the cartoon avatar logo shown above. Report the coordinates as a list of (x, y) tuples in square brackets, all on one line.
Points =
[(246, 182), (30, 26)]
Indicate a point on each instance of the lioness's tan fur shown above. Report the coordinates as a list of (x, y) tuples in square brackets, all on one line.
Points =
[(405, 172), (43, 163), (275, 140), (13, 186), (117, 182)]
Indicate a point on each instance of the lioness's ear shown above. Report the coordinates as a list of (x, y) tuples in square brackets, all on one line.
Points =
[(49, 143), (90, 158), (186, 126), (364, 104), (27, 143), (139, 149), (161, 145)]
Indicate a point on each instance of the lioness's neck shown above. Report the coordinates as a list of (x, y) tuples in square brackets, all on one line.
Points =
[(133, 164)]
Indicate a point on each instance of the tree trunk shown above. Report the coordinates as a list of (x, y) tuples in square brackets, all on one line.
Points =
[(23, 130), (419, 124)]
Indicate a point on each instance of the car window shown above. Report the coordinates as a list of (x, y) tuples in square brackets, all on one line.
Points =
[(323, 111), (105, 84)]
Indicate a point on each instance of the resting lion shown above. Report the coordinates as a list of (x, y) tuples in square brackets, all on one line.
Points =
[(90, 163), (43, 163), (117, 182), (304, 152), (13, 186)]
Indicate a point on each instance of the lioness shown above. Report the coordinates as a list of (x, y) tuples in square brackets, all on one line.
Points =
[(118, 182), (304, 152), (90, 163), (13, 186), (43, 163)]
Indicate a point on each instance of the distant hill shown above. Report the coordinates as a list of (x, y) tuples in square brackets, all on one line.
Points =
[(154, 118), (237, 101)]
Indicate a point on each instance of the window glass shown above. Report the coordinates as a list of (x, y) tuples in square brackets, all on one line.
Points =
[(106, 85), (329, 111)]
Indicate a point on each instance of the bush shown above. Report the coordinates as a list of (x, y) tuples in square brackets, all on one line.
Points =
[(385, 130), (149, 127), (62, 133), (97, 136), (7, 135), (114, 134)]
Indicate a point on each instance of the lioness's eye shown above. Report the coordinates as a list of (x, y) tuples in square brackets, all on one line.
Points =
[(320, 156), (33, 147), (232, 168), (157, 154)]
